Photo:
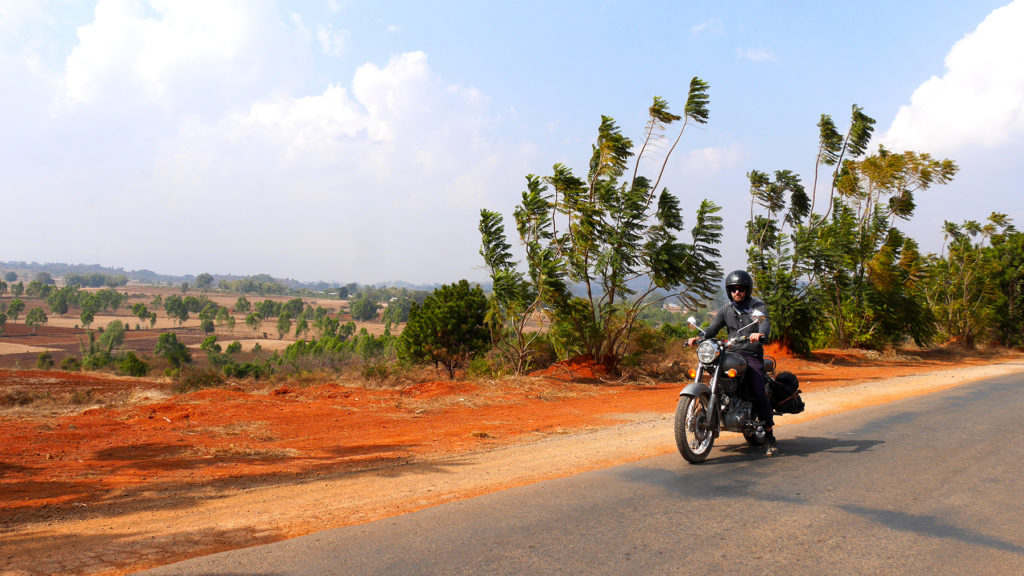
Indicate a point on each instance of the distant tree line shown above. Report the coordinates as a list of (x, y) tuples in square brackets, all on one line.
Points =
[(95, 280), (259, 284)]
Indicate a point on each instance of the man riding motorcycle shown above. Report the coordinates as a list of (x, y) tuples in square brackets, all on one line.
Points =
[(735, 316)]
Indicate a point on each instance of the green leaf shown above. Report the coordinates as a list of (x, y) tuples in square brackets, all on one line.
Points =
[(697, 101)]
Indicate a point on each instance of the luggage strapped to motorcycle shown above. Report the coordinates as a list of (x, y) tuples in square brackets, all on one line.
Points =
[(787, 386)]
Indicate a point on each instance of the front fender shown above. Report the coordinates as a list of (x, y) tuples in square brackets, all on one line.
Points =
[(696, 389)]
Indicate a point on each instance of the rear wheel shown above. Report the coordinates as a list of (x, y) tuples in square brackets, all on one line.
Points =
[(693, 437)]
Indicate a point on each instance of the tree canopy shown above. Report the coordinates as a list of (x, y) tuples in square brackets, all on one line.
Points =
[(614, 233), (447, 329)]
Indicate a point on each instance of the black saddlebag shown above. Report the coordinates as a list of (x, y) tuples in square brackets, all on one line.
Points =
[(785, 396)]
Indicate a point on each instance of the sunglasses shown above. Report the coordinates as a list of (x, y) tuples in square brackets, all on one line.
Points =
[(735, 290)]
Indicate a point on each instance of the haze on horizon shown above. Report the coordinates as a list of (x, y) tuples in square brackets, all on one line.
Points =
[(346, 141)]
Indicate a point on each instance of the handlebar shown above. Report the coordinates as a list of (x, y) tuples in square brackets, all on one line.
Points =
[(726, 343)]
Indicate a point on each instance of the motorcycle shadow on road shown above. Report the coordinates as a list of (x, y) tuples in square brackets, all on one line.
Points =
[(800, 446)]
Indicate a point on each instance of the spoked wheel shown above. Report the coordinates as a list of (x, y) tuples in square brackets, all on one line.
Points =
[(693, 438)]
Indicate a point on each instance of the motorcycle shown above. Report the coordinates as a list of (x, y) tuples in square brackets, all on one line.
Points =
[(716, 401)]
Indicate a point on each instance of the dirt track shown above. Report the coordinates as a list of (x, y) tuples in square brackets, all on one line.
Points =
[(115, 489)]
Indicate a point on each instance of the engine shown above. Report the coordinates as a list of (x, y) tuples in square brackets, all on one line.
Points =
[(738, 413)]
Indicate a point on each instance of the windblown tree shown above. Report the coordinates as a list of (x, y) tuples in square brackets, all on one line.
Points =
[(614, 234), (777, 209), (515, 300), (876, 291), (967, 292), (851, 265), (1007, 252)]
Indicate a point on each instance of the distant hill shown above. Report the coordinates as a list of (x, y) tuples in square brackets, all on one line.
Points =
[(27, 270)]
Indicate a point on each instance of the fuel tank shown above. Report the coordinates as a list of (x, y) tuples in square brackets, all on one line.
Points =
[(734, 361)]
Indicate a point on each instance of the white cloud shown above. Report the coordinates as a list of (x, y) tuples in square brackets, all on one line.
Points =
[(756, 55), (332, 42), (162, 50), (713, 159), (404, 100), (201, 137), (368, 177), (709, 26), (979, 101)]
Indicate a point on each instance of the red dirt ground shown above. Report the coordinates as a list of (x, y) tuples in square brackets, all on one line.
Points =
[(58, 459)]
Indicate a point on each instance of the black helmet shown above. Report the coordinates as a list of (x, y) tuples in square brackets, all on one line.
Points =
[(738, 278)]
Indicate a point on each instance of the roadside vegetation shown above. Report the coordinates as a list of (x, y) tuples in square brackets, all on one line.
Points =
[(610, 271)]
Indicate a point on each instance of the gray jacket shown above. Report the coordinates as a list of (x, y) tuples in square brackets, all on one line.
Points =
[(736, 315)]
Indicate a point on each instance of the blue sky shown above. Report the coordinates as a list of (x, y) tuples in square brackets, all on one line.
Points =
[(357, 141)]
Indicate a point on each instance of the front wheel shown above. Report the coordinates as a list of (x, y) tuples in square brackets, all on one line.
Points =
[(693, 437)]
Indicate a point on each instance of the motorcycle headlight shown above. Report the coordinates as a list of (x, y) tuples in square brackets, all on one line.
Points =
[(707, 351)]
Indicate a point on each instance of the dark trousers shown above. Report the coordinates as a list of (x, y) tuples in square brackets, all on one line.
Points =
[(756, 386)]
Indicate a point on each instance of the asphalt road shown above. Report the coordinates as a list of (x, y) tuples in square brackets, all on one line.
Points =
[(929, 485)]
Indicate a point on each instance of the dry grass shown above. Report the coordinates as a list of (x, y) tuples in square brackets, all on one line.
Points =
[(234, 451), (140, 396)]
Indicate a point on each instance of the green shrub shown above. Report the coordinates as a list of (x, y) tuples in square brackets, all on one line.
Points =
[(210, 345), (376, 370), (207, 326), (542, 352), (486, 366), (71, 364), (132, 365), (112, 336), (44, 361), (169, 348), (234, 348), (680, 331), (97, 360), (246, 370)]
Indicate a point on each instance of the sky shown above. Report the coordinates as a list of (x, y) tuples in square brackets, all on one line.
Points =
[(357, 141)]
